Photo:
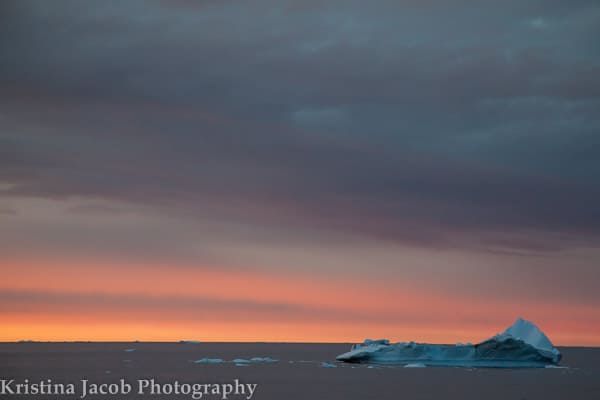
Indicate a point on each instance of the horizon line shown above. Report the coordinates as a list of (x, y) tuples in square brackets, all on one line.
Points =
[(200, 342)]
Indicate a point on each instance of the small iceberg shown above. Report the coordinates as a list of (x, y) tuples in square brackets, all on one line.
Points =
[(522, 345), (130, 350), (190, 342), (209, 361), (240, 361)]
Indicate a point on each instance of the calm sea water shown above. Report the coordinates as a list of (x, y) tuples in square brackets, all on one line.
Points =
[(298, 373)]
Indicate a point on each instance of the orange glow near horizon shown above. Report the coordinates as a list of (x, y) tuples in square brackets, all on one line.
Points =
[(57, 300)]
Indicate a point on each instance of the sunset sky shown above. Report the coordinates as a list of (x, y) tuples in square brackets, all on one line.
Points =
[(299, 170)]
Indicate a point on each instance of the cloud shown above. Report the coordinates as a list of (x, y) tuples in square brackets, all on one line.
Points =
[(112, 307), (417, 124), (7, 211)]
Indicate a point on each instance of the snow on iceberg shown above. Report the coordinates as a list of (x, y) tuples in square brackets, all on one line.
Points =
[(521, 345)]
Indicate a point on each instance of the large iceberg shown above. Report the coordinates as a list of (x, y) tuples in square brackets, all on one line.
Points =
[(521, 345)]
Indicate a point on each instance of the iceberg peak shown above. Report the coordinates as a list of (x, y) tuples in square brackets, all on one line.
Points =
[(529, 333)]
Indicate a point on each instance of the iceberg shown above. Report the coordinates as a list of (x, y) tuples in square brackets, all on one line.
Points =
[(522, 345)]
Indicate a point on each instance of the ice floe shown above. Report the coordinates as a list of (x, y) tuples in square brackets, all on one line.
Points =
[(209, 361), (415, 365), (240, 362), (328, 365), (262, 359)]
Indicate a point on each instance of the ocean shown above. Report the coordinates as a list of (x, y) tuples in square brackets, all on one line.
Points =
[(100, 371)]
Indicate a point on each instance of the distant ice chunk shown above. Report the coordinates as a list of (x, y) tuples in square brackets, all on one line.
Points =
[(415, 365), (328, 365), (190, 342), (521, 345), (262, 360), (209, 361), (240, 361), (130, 350)]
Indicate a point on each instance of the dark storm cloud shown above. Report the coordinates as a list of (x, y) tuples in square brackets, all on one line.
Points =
[(416, 122)]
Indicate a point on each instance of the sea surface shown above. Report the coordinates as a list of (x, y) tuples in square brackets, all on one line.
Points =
[(302, 371)]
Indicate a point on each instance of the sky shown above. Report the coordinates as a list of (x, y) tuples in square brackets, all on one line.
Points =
[(299, 170)]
